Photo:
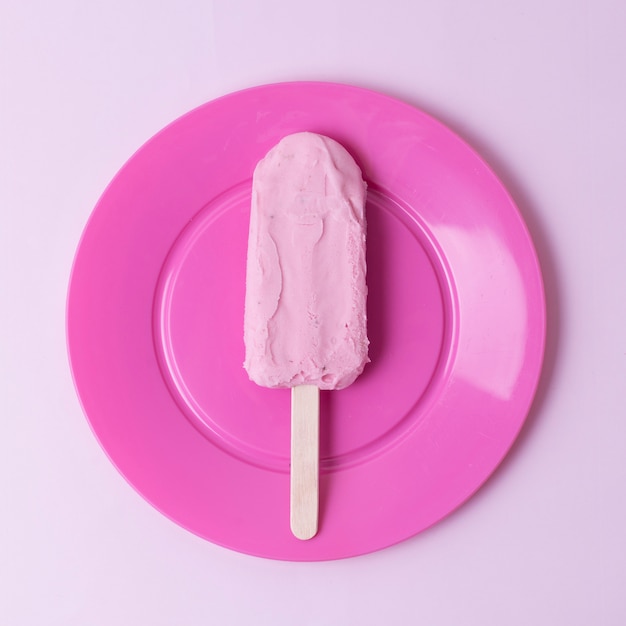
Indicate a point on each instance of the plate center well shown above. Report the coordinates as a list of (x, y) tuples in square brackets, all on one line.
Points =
[(198, 328)]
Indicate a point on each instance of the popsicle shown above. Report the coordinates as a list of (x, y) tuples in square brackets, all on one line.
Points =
[(305, 320)]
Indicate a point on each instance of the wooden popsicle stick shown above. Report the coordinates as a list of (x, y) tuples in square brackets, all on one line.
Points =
[(305, 409)]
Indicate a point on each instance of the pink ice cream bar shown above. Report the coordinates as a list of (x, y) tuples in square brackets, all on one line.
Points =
[(305, 320)]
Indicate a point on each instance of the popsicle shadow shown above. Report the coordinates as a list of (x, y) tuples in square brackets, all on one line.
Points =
[(377, 319)]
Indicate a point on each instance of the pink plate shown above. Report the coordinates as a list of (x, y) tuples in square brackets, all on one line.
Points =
[(456, 323)]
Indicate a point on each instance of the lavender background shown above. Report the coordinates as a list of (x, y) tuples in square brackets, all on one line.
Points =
[(536, 86)]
